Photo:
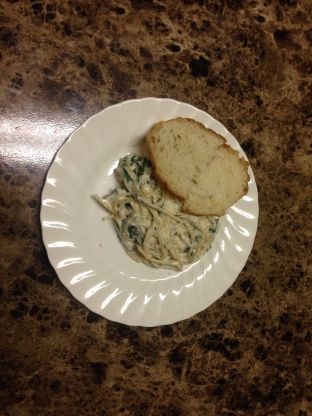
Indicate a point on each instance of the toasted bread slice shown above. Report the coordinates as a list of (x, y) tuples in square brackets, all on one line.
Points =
[(197, 166)]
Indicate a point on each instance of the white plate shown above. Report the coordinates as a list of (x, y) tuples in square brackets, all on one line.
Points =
[(85, 251)]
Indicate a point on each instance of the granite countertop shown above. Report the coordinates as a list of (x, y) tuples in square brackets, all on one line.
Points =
[(248, 63)]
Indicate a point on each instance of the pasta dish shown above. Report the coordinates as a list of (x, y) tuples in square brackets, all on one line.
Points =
[(149, 221)]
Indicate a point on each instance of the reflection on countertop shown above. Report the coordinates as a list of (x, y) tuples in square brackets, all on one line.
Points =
[(248, 63)]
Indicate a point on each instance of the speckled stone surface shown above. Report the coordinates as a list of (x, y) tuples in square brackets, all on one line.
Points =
[(249, 64)]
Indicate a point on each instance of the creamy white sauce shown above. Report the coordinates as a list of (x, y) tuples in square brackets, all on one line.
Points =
[(149, 221)]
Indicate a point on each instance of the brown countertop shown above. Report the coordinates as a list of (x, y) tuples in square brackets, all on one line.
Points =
[(248, 63)]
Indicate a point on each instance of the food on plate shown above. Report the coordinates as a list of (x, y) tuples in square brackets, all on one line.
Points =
[(196, 165), (166, 211), (149, 221)]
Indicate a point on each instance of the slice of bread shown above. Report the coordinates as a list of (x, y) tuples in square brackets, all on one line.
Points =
[(197, 166)]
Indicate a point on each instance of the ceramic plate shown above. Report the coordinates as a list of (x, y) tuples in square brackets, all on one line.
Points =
[(85, 251)]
